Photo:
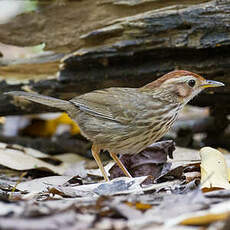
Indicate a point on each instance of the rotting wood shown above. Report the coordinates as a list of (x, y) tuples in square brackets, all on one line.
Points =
[(125, 51)]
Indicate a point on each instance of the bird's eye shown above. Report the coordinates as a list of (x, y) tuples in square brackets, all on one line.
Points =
[(191, 83)]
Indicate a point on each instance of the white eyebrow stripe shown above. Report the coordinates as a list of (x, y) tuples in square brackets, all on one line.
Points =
[(179, 79)]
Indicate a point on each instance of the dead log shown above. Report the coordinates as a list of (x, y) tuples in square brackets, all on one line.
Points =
[(129, 43)]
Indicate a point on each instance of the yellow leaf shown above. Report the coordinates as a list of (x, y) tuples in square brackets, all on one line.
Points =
[(139, 205), (142, 206), (217, 212), (46, 128), (214, 171), (206, 219), (65, 119)]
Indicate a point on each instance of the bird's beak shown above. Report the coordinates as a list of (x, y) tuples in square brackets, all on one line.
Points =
[(210, 83)]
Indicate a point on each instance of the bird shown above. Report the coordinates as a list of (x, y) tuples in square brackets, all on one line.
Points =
[(127, 120)]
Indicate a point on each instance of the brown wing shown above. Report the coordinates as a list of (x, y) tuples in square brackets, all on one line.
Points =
[(115, 104)]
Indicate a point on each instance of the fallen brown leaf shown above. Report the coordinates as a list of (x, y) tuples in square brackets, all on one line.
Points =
[(148, 162)]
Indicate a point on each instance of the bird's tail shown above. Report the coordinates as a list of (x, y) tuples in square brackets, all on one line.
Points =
[(45, 100)]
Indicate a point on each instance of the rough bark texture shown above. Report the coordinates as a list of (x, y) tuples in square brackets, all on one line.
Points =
[(117, 43)]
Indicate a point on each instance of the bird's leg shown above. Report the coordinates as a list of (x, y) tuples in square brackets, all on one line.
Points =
[(95, 153), (119, 163)]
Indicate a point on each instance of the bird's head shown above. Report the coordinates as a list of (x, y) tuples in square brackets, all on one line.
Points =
[(182, 85)]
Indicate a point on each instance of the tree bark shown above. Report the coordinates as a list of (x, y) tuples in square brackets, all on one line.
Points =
[(117, 43)]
